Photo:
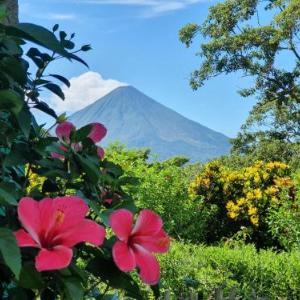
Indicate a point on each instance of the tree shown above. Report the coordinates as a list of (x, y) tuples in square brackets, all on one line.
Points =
[(12, 10), (239, 40)]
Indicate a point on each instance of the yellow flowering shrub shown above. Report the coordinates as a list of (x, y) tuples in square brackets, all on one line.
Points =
[(243, 197), (35, 181)]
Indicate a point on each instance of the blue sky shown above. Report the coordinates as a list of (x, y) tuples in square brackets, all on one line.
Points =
[(136, 42)]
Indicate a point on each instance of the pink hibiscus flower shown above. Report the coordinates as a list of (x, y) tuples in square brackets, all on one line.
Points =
[(137, 244), (55, 226), (64, 130)]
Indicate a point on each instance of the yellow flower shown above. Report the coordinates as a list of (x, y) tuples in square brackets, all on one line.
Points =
[(283, 181), (257, 194), (232, 215), (271, 190), (257, 178), (249, 195), (254, 220), (230, 205), (252, 211), (241, 202)]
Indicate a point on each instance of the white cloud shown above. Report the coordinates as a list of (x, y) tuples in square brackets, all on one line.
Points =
[(85, 89), (154, 7), (61, 17)]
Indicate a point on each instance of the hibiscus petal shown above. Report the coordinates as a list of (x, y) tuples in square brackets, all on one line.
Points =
[(98, 132), (121, 223), (63, 130), (148, 265), (123, 256), (55, 259), (73, 210), (147, 223), (87, 231), (100, 152), (46, 214), (159, 243), (24, 239), (29, 216)]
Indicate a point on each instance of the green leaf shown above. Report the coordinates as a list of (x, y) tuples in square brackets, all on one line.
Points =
[(89, 168), (108, 271), (81, 134), (2, 12), (8, 193), (14, 68), (62, 79), (73, 288), (18, 155), (44, 107), (38, 35), (24, 119), (55, 27), (10, 251), (10, 100), (54, 88), (30, 278)]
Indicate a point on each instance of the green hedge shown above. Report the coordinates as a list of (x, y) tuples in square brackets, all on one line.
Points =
[(240, 271)]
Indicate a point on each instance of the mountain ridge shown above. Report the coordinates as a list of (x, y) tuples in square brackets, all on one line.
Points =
[(137, 120)]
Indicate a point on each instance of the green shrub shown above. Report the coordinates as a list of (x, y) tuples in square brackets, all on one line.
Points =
[(162, 187), (284, 223), (239, 271)]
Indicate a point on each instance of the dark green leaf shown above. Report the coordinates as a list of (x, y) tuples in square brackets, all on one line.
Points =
[(81, 134), (86, 48), (54, 88), (10, 251), (8, 193), (89, 168), (107, 271), (14, 68), (30, 278), (68, 45), (62, 35), (55, 27), (73, 288), (10, 100), (44, 107), (24, 119), (37, 34), (77, 58), (18, 155), (62, 79)]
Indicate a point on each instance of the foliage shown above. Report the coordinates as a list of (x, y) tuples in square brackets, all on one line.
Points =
[(267, 151), (162, 187), (242, 199), (239, 272), (46, 168), (284, 223), (250, 38)]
